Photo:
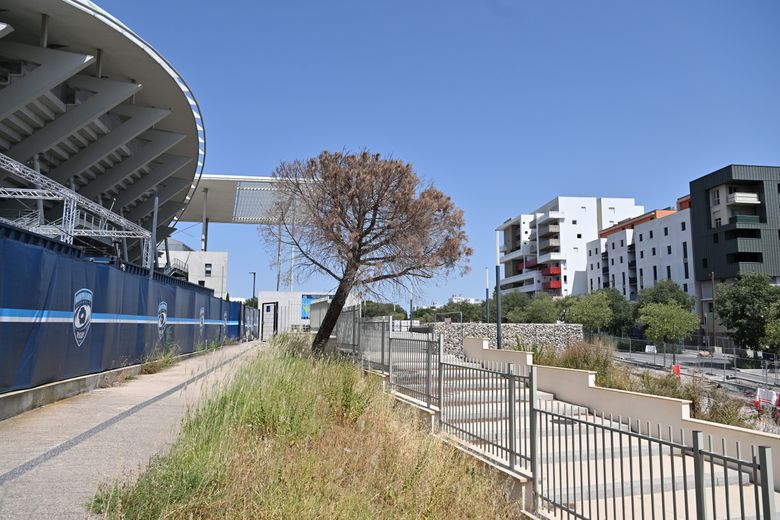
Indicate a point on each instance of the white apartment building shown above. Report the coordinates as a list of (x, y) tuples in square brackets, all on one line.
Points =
[(638, 253), (545, 250), (205, 268)]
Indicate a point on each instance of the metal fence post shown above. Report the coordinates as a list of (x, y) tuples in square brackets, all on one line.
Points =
[(767, 483), (698, 474), (440, 376), (428, 372), (512, 419), (390, 362), (533, 455)]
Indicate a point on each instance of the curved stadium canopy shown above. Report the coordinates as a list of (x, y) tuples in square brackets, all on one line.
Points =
[(89, 104)]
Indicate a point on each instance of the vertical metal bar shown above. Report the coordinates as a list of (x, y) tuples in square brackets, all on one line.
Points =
[(512, 410), (767, 482), (499, 339), (674, 482), (428, 372), (650, 460), (439, 373), (641, 471), (390, 362), (698, 474), (754, 467), (741, 490), (533, 435), (612, 453), (684, 472), (712, 475), (661, 467), (725, 477)]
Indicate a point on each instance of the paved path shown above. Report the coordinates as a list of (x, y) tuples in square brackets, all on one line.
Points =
[(53, 458)]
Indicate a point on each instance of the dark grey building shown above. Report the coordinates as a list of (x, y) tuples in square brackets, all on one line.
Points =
[(735, 221)]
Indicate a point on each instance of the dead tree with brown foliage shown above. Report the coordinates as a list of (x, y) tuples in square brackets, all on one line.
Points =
[(368, 223)]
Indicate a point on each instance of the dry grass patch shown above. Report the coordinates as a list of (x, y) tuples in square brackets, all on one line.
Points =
[(295, 437)]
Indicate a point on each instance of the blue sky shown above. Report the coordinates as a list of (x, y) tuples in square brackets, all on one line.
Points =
[(503, 104)]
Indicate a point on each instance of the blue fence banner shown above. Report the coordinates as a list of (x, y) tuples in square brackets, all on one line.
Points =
[(63, 316)]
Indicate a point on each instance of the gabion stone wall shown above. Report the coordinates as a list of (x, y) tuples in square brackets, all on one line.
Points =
[(528, 334)]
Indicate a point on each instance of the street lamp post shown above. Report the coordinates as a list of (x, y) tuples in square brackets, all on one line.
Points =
[(499, 339), (254, 275)]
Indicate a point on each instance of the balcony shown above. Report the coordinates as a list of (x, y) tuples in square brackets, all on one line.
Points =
[(549, 243), (551, 271), (550, 215), (531, 262), (632, 264), (553, 256), (548, 230), (552, 284), (742, 198), (745, 219)]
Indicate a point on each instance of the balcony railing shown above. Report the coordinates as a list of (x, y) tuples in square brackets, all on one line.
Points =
[(552, 284), (551, 271), (549, 229), (549, 243), (745, 219), (740, 197)]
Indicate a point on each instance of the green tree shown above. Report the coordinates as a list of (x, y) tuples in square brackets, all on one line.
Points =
[(665, 291), (592, 311), (622, 312), (251, 302), (667, 322), (374, 309), (512, 306), (541, 309), (744, 307), (772, 328)]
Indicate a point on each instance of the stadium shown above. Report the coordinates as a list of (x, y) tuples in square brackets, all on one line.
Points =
[(102, 146)]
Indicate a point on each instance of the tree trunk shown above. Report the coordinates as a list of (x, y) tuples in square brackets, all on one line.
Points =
[(332, 316)]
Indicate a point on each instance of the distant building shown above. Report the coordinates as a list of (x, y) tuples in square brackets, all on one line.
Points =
[(736, 227), (545, 250), (455, 299), (205, 268), (639, 252)]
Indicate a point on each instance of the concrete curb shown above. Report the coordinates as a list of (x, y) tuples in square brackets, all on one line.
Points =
[(20, 401)]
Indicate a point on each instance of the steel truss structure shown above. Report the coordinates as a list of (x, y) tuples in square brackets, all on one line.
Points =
[(81, 217)]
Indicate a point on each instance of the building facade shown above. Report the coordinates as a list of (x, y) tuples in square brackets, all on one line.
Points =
[(545, 250), (638, 253), (735, 222)]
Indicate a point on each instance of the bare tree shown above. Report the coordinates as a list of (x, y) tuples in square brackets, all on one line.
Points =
[(367, 222)]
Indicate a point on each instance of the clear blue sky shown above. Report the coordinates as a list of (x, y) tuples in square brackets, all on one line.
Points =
[(503, 104)]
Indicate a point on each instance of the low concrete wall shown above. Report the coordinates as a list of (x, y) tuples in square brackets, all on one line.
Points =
[(579, 387), (554, 335)]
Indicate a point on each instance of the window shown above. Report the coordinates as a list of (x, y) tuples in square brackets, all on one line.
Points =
[(579, 235), (589, 252), (685, 287), (716, 197), (653, 251), (202, 283), (576, 249), (666, 231), (574, 222), (207, 268), (704, 263), (612, 261), (624, 278), (612, 210), (640, 237), (641, 254), (621, 243), (564, 278), (621, 259), (685, 249), (613, 245), (584, 208), (668, 250), (715, 238), (682, 225), (651, 234), (598, 265), (591, 284), (685, 269), (668, 272), (717, 222), (655, 274), (640, 273)]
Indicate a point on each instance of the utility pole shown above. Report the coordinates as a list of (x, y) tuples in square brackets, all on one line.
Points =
[(499, 340), (410, 308), (254, 275), (714, 310), (487, 295)]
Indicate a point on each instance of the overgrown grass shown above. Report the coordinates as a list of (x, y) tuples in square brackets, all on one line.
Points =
[(296, 437), (159, 360), (707, 401)]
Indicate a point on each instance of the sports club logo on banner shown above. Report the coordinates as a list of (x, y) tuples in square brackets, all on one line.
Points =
[(162, 319), (224, 322), (202, 322), (82, 314)]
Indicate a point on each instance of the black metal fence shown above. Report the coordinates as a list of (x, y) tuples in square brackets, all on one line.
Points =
[(580, 464)]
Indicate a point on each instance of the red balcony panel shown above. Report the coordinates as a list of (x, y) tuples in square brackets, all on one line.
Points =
[(531, 262), (551, 271), (552, 284)]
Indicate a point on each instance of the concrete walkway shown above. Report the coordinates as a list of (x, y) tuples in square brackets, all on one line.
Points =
[(52, 459)]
